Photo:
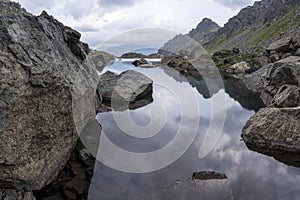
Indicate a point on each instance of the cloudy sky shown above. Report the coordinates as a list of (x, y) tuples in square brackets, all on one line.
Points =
[(101, 20)]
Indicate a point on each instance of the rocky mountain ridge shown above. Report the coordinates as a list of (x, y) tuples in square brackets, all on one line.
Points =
[(257, 25), (252, 29), (204, 30)]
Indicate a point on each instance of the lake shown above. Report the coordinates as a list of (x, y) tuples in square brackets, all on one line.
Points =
[(182, 110)]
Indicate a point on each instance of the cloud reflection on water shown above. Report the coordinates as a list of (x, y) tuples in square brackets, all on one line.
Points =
[(251, 175)]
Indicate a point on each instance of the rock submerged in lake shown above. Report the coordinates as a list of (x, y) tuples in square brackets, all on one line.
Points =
[(203, 185), (275, 132), (47, 87), (130, 89), (208, 175)]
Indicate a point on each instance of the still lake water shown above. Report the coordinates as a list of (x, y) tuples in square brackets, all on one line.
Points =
[(251, 175)]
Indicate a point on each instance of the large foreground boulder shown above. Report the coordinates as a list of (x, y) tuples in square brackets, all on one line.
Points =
[(129, 90), (47, 88), (275, 132)]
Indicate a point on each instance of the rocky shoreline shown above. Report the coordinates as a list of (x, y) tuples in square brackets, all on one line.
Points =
[(274, 130)]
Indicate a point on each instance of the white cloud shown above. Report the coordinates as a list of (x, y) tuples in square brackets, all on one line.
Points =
[(100, 20), (235, 4)]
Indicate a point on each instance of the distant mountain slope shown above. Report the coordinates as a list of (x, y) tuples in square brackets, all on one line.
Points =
[(257, 25), (205, 29), (253, 28)]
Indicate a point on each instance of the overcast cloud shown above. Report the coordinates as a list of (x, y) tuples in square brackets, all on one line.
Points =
[(117, 3), (100, 20), (235, 4)]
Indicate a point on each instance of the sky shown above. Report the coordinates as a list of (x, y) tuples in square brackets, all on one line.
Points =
[(100, 21)]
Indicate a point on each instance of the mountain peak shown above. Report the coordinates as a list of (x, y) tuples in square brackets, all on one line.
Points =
[(204, 29), (207, 23)]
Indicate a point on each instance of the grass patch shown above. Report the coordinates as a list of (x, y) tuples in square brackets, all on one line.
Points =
[(267, 32), (217, 44)]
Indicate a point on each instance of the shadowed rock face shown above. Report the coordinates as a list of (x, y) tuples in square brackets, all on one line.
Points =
[(14, 194), (129, 90), (46, 96), (275, 132), (287, 96)]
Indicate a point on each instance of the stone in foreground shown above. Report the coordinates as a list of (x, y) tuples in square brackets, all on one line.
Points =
[(46, 96), (275, 132), (129, 90)]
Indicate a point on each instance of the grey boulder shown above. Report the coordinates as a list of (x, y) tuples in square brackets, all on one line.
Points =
[(239, 68), (269, 79), (129, 90), (47, 89), (275, 132), (280, 45), (287, 96), (139, 62), (290, 59)]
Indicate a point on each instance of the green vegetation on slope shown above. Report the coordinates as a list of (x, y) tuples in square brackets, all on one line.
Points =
[(281, 25), (255, 35), (218, 43)]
